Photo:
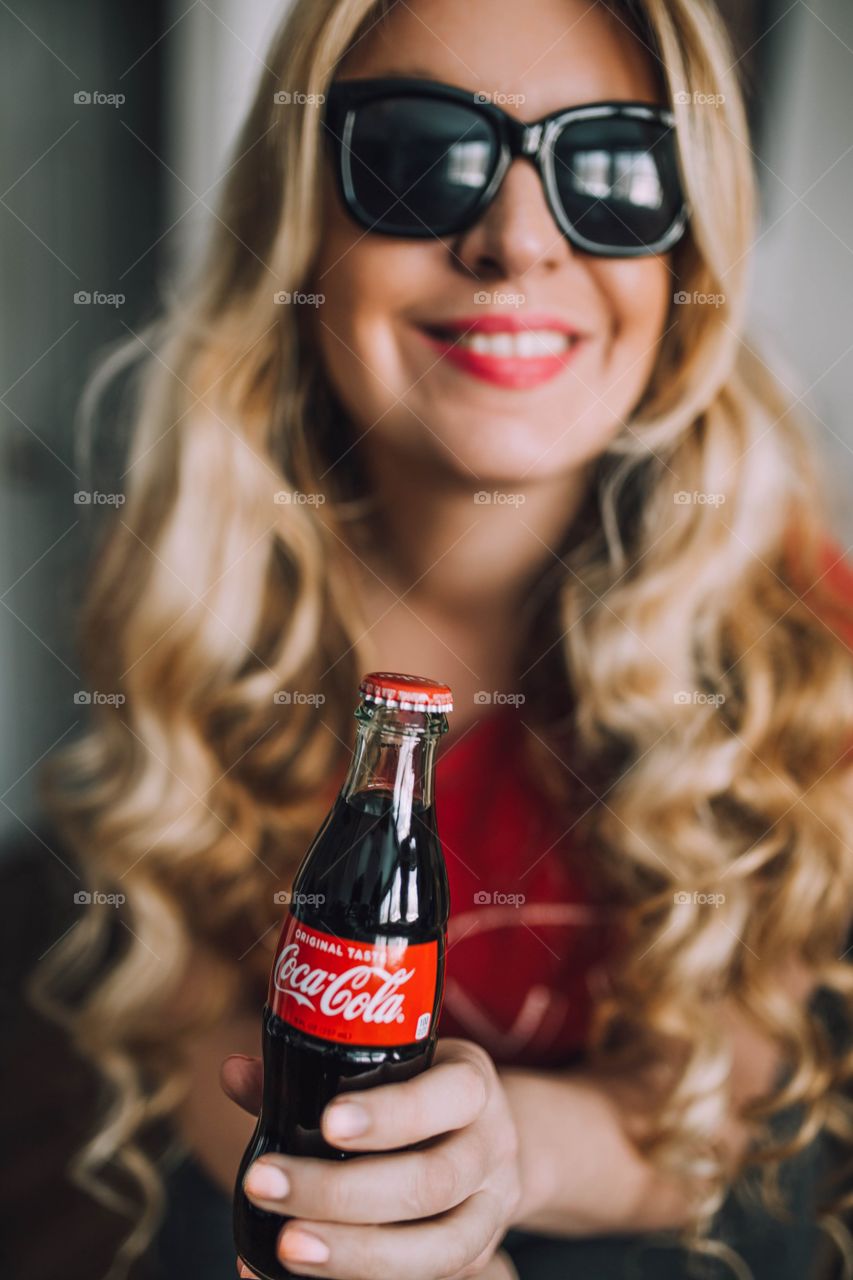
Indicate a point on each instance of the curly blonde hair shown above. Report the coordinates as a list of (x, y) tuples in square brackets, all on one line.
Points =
[(709, 701)]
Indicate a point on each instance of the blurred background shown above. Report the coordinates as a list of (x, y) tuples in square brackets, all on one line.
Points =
[(119, 121)]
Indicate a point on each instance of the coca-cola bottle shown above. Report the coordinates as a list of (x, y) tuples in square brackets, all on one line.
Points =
[(358, 978)]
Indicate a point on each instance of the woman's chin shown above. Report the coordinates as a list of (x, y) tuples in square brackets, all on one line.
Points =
[(506, 455)]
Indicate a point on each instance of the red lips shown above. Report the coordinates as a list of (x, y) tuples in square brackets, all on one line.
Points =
[(512, 371)]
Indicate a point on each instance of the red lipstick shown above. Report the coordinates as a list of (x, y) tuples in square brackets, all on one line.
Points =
[(527, 365)]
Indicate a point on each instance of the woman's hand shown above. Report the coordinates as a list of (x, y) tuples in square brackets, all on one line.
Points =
[(436, 1212)]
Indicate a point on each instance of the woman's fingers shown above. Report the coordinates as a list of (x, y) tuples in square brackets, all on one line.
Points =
[(244, 1272), (450, 1095), (415, 1213), (242, 1078), (499, 1267), (442, 1246), (375, 1189)]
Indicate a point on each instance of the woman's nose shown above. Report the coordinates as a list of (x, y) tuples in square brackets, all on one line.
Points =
[(517, 234)]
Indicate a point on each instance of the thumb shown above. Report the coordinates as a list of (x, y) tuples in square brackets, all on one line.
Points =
[(242, 1079)]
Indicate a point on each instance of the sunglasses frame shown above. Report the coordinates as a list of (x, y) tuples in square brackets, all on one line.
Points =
[(534, 142)]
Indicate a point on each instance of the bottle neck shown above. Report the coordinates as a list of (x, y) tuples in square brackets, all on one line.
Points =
[(394, 757)]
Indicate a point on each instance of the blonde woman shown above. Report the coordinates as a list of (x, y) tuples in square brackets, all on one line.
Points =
[(461, 389)]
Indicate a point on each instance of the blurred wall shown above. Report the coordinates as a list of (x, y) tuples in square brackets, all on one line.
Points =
[(804, 254), (80, 215), (212, 64)]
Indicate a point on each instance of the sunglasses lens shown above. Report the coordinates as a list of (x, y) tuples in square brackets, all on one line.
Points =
[(617, 180), (418, 166)]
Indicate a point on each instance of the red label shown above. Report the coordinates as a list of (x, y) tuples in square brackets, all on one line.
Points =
[(353, 992)]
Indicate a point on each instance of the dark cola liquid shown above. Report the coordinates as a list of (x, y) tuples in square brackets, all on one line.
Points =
[(375, 886)]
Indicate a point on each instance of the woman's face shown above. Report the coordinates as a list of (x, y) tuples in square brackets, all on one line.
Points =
[(380, 292)]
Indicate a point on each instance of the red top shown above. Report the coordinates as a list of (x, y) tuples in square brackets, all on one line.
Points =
[(524, 936), (835, 584)]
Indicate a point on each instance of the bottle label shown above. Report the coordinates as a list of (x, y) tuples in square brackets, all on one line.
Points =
[(353, 992)]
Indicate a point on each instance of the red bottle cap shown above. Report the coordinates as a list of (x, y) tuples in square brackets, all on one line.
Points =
[(409, 693)]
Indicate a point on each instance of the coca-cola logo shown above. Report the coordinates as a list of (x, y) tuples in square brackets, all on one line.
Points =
[(350, 994), (381, 992)]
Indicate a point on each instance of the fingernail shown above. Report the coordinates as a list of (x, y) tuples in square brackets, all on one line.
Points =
[(267, 1181), (346, 1120), (299, 1246)]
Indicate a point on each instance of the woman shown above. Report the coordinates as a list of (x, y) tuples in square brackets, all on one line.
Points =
[(346, 458)]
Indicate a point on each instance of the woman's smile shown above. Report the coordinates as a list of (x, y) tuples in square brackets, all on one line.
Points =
[(514, 350)]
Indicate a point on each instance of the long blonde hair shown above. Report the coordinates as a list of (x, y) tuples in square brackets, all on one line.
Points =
[(709, 705)]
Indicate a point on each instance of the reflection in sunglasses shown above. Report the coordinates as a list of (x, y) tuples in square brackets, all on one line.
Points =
[(467, 163), (623, 175)]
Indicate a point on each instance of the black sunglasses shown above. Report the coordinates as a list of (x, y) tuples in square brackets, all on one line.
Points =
[(416, 158)]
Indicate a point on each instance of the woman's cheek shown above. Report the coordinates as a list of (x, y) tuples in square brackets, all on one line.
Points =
[(638, 298), (360, 357), (362, 329)]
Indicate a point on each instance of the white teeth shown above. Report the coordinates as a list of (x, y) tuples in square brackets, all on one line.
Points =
[(528, 343)]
